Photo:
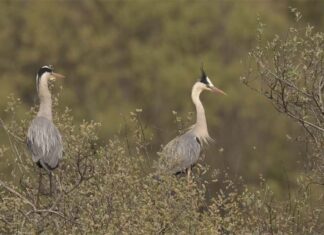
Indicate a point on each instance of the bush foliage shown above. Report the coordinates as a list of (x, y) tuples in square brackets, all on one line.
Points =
[(121, 55), (108, 187)]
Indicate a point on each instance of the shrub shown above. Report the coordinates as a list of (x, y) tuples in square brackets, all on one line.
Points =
[(109, 188)]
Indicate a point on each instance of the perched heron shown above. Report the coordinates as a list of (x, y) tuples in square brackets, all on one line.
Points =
[(43, 138), (181, 153)]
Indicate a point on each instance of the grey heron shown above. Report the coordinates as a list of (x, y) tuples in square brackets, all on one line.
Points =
[(43, 138), (181, 153)]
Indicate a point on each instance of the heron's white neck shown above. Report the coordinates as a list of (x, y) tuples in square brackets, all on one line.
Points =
[(45, 107), (200, 127)]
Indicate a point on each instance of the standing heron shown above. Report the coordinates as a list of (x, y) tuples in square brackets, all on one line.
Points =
[(181, 153), (43, 138)]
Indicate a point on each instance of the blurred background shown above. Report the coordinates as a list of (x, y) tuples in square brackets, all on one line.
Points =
[(119, 56)]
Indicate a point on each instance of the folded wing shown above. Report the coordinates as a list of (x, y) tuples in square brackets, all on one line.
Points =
[(180, 153), (45, 143)]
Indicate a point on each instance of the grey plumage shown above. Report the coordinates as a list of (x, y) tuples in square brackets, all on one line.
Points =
[(43, 138), (45, 143), (180, 153), (183, 152)]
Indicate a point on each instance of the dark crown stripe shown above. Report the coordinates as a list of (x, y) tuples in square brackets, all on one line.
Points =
[(41, 71), (203, 77), (44, 69)]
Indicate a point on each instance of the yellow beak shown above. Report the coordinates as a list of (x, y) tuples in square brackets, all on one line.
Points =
[(57, 75), (217, 90)]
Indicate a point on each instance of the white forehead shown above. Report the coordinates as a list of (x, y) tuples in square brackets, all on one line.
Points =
[(209, 82), (48, 66)]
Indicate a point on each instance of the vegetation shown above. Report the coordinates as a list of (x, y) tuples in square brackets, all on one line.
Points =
[(108, 185), (290, 74), (107, 189), (119, 56)]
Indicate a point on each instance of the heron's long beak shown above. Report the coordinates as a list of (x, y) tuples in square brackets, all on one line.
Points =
[(57, 75), (217, 90)]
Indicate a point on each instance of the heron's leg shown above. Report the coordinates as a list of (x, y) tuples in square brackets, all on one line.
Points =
[(51, 183), (53, 189), (40, 181), (39, 185), (189, 175)]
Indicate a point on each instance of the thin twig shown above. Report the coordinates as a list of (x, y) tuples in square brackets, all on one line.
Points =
[(9, 132), (282, 80), (305, 122), (17, 194)]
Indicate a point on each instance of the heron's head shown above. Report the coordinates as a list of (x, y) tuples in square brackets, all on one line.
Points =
[(47, 72), (206, 84)]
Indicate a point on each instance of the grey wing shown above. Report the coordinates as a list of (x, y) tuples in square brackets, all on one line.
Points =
[(180, 153), (44, 142)]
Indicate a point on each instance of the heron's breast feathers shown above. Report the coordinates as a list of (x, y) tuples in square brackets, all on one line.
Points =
[(43, 138)]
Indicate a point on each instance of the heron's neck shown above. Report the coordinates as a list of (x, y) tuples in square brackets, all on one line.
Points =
[(45, 107), (200, 127)]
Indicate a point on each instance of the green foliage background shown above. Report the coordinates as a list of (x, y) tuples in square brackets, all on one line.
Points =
[(130, 66), (123, 55)]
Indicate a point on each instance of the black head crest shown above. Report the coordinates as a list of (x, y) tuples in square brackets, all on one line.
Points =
[(41, 71), (45, 68), (203, 77)]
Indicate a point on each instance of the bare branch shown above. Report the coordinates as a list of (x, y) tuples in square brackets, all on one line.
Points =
[(10, 133), (284, 81), (17, 194)]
